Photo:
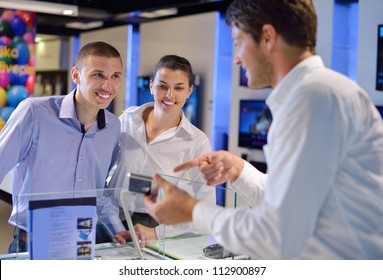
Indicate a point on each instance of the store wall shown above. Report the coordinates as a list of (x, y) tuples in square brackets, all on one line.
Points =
[(370, 15), (191, 37)]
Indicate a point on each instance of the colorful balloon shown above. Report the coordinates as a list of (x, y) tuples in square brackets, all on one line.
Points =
[(5, 29), (18, 25), (7, 15), (6, 112), (17, 79), (23, 51), (5, 57), (28, 38), (4, 80), (3, 97), (2, 123), (30, 84), (28, 17), (16, 94), (6, 40), (16, 40)]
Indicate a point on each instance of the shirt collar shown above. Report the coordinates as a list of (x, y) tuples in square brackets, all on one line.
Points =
[(279, 93), (68, 111), (184, 125)]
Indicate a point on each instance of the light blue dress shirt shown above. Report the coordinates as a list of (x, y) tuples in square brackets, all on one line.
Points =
[(44, 143)]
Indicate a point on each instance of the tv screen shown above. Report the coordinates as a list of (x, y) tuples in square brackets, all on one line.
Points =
[(242, 77), (254, 123), (191, 107), (143, 90), (380, 110), (379, 67)]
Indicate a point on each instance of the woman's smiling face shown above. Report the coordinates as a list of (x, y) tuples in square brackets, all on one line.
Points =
[(170, 89)]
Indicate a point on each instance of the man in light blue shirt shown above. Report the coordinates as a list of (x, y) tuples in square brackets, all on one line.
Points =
[(63, 143)]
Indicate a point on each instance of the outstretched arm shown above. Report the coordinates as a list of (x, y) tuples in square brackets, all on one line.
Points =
[(217, 167)]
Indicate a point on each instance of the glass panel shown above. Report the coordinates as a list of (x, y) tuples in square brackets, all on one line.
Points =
[(174, 242), (182, 241)]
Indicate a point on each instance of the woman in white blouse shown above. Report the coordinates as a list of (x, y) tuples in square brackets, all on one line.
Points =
[(156, 137)]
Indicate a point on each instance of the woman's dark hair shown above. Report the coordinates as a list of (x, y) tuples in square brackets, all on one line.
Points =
[(294, 20), (174, 62)]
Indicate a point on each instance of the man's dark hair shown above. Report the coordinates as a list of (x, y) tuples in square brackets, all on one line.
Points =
[(174, 62), (97, 49), (294, 20)]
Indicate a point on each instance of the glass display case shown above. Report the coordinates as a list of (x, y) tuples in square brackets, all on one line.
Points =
[(62, 225)]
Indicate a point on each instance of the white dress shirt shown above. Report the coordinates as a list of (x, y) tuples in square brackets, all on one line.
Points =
[(323, 195), (169, 149)]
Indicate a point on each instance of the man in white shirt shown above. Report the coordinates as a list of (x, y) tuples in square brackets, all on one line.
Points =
[(323, 195)]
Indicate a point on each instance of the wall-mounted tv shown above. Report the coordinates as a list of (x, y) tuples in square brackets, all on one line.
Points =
[(191, 107), (379, 67), (254, 123), (242, 77), (380, 110)]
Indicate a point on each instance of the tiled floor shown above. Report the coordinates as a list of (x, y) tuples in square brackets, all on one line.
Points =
[(6, 230)]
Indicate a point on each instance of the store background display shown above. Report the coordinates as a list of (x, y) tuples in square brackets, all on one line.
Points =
[(17, 59)]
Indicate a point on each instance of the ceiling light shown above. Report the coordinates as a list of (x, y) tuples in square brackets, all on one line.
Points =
[(85, 25), (41, 7), (159, 13)]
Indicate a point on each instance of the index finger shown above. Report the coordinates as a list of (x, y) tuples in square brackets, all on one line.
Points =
[(190, 163)]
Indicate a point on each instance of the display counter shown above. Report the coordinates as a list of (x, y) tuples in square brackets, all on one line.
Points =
[(62, 225)]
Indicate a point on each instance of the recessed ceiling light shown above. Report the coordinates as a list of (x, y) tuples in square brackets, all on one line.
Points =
[(159, 13), (85, 25)]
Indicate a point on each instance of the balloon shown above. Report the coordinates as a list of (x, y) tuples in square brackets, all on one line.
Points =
[(3, 97), (6, 112), (6, 58), (27, 17), (30, 84), (28, 38), (32, 60), (16, 40), (23, 56), (18, 25), (16, 79), (5, 29), (2, 123), (4, 80), (16, 94), (6, 40), (7, 15)]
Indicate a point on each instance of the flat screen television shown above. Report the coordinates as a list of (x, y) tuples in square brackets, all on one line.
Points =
[(379, 67), (254, 123), (192, 104), (380, 110), (242, 77)]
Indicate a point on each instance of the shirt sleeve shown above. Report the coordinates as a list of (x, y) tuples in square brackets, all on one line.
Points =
[(250, 184), (16, 137)]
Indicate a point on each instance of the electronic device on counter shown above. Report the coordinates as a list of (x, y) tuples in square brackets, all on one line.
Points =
[(216, 251)]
